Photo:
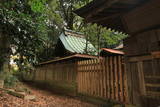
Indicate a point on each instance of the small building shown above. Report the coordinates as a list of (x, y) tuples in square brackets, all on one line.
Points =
[(110, 52), (70, 43), (141, 20)]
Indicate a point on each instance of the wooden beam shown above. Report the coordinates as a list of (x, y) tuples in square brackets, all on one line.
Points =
[(156, 54), (104, 18), (140, 58), (129, 1), (152, 93), (153, 85), (152, 77), (104, 6)]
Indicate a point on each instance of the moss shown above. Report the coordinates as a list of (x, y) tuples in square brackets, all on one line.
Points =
[(59, 87), (102, 102)]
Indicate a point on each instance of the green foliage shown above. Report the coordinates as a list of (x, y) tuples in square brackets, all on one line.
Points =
[(61, 12), (33, 26), (38, 5), (25, 26), (107, 38), (10, 81)]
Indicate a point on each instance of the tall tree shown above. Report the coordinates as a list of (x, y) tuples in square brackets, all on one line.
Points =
[(23, 27), (63, 16), (61, 12)]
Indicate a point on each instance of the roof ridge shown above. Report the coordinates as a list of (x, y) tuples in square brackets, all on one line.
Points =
[(75, 34)]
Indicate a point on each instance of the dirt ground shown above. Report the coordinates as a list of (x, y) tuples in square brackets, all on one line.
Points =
[(43, 99)]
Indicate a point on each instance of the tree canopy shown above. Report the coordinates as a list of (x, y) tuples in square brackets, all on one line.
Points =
[(30, 28)]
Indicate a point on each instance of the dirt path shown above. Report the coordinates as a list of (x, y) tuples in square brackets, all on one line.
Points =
[(43, 99)]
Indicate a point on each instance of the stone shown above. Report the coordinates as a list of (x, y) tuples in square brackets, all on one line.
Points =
[(1, 83), (30, 97)]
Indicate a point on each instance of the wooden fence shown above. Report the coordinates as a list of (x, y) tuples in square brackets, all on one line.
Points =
[(105, 78), (56, 72), (58, 76)]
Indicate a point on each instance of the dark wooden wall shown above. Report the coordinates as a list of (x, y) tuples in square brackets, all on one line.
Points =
[(143, 66)]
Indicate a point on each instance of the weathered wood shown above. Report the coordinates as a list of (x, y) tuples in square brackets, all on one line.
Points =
[(141, 77), (152, 77), (120, 78), (140, 18), (153, 93), (116, 78), (153, 85), (102, 78), (112, 77), (140, 58), (108, 77)]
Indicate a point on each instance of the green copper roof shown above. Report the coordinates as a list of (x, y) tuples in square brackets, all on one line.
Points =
[(76, 44)]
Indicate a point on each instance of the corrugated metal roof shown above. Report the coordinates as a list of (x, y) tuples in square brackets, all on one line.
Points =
[(113, 51), (77, 44)]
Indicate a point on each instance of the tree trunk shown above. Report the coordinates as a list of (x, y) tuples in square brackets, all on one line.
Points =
[(4, 52)]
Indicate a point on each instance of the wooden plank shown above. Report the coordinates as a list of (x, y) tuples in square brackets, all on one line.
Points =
[(126, 98), (153, 85), (140, 58), (81, 82), (78, 82), (81, 79), (85, 71), (116, 77), (152, 77), (95, 77), (90, 77), (141, 77), (101, 77), (104, 79), (91, 73), (78, 78), (112, 77), (87, 74), (84, 82), (152, 93), (120, 78), (108, 77)]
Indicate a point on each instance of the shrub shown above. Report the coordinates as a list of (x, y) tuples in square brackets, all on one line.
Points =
[(10, 81)]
